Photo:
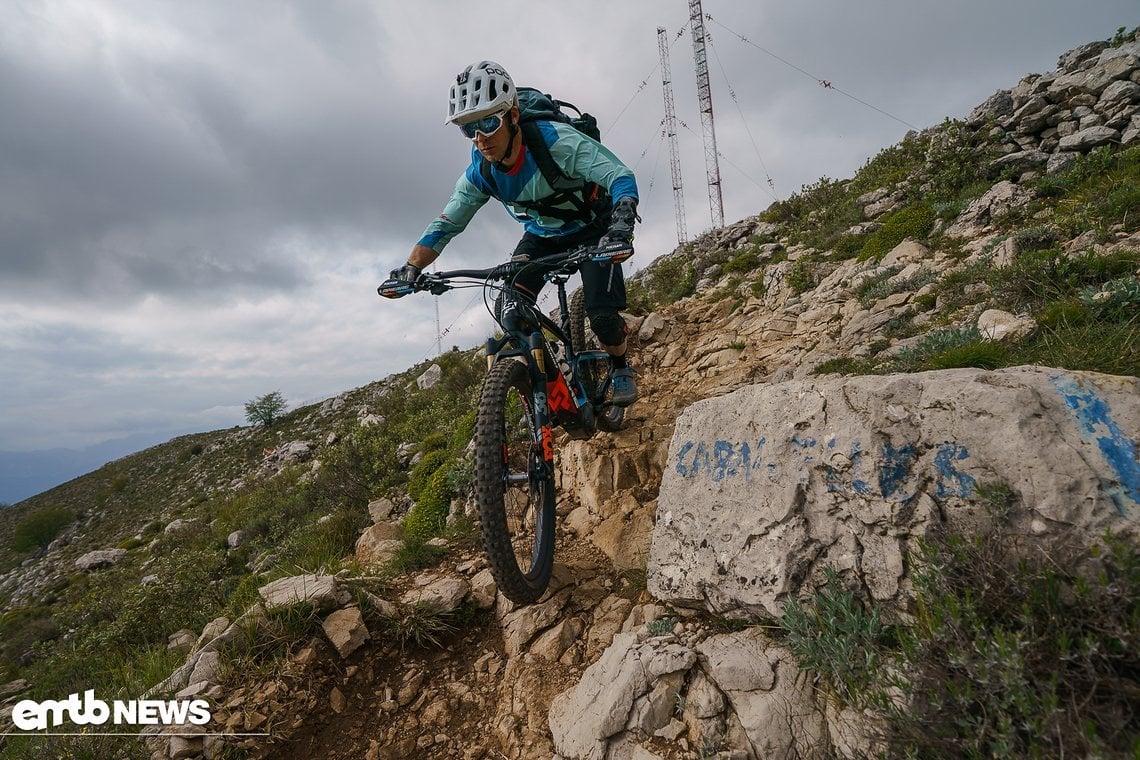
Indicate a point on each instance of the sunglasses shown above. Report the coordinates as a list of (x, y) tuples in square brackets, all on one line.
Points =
[(486, 126)]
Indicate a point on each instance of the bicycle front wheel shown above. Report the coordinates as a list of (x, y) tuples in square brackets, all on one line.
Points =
[(514, 484)]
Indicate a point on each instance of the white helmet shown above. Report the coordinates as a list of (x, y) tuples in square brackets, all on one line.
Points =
[(480, 90)]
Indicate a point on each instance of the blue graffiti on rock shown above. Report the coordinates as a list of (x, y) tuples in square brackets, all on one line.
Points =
[(1095, 421), (888, 471)]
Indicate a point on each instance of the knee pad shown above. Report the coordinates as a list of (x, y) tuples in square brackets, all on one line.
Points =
[(609, 327)]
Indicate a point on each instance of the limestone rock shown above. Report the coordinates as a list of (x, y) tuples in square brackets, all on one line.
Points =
[(767, 485), (378, 544), (998, 325), (100, 558), (346, 630), (441, 595), (322, 591), (431, 376)]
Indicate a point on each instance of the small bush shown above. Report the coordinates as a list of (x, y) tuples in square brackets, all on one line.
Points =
[(666, 282), (423, 471), (913, 221), (1036, 277), (876, 286), (422, 626), (40, 528), (746, 261), (1012, 652), (801, 276), (429, 514), (937, 346), (981, 354), (835, 635), (1016, 654)]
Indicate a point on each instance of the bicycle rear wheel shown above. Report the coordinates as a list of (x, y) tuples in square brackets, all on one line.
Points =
[(514, 486)]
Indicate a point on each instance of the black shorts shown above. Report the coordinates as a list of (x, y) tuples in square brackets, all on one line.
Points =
[(603, 285)]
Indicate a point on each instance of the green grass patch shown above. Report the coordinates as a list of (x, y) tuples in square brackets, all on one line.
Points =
[(1012, 652)]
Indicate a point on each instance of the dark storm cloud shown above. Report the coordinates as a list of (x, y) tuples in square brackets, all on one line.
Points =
[(131, 173), (197, 198)]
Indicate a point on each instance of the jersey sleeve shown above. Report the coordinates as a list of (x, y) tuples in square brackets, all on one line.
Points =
[(466, 199), (579, 156)]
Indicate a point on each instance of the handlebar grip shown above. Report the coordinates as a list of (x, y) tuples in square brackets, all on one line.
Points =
[(613, 253), (395, 288)]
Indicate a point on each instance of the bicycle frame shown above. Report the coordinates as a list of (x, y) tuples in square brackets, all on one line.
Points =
[(560, 389), (536, 377)]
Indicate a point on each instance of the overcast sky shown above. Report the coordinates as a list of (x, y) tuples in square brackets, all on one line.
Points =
[(198, 199)]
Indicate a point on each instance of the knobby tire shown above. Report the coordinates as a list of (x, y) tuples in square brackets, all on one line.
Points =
[(515, 493)]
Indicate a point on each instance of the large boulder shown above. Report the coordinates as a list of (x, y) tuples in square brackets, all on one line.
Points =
[(100, 558), (768, 485)]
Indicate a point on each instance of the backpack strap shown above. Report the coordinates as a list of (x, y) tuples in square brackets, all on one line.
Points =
[(585, 196)]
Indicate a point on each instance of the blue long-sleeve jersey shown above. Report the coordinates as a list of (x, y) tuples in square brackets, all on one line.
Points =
[(577, 155)]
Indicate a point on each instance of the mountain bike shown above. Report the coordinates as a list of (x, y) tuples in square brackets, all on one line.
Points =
[(541, 374)]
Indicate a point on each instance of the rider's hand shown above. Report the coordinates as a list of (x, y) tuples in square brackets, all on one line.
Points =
[(400, 281), (622, 219)]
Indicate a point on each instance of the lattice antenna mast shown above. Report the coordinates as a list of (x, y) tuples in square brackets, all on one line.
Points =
[(671, 133), (704, 95)]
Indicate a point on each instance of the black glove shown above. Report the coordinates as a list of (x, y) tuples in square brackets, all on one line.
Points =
[(618, 243), (619, 237), (400, 282)]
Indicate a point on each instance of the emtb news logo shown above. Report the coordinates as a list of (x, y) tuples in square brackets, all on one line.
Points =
[(29, 715)]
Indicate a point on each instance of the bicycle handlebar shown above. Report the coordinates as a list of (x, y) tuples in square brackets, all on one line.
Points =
[(560, 263)]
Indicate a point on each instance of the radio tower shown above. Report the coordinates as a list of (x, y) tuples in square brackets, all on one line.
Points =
[(671, 133), (704, 95)]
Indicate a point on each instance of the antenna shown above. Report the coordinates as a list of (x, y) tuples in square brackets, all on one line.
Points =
[(438, 333), (704, 95), (671, 132)]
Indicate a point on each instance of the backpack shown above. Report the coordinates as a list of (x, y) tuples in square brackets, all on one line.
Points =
[(587, 197)]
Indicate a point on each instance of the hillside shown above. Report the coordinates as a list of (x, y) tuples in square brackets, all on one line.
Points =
[(1007, 239)]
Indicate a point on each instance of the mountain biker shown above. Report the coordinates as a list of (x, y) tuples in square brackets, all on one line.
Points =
[(484, 104)]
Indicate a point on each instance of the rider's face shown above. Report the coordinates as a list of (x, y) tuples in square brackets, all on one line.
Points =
[(494, 146)]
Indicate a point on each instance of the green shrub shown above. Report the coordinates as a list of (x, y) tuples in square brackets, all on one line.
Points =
[(667, 281), (876, 286), (847, 247), (1087, 346), (428, 515), (1018, 654), (1012, 652), (801, 275), (1115, 301), (433, 441), (1100, 190), (1066, 312), (424, 470), (1036, 277), (835, 635), (745, 261), (40, 528), (934, 344), (912, 221)]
